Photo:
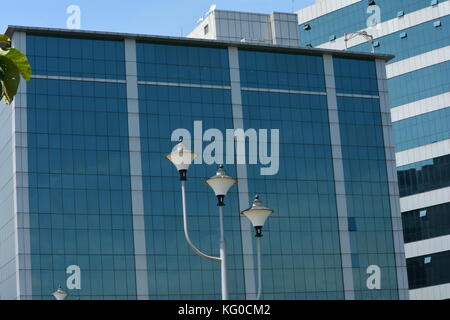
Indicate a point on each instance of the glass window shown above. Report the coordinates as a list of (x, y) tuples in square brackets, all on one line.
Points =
[(355, 76), (426, 271), (423, 83), (424, 176), (426, 223), (74, 57), (182, 64), (352, 224), (284, 71), (437, 23), (367, 194), (78, 180), (421, 130)]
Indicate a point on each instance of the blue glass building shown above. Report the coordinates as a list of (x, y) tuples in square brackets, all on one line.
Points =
[(89, 202), (417, 33)]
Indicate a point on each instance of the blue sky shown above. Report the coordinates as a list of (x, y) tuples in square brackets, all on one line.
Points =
[(157, 17)]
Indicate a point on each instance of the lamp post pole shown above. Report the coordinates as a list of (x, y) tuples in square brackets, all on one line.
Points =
[(186, 229), (223, 256), (258, 260)]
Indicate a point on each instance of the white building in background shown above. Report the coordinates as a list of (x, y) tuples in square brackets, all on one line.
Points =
[(417, 32), (275, 28)]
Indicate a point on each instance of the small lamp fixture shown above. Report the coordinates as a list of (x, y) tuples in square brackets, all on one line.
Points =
[(371, 2), (257, 214), (182, 158), (220, 184), (59, 294)]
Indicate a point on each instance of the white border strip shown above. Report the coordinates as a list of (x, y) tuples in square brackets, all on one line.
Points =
[(418, 62), (351, 95), (394, 25), (321, 8), (339, 179), (439, 292), (396, 219), (420, 107), (180, 84), (425, 199), (77, 79), (317, 93), (20, 182), (429, 151), (244, 199), (427, 247), (137, 194)]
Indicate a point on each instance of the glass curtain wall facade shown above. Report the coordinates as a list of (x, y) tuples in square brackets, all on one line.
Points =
[(98, 208), (416, 32), (79, 172)]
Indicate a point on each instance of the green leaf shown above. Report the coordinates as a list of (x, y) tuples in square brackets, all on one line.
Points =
[(1, 91), (10, 80), (21, 62), (3, 52), (5, 40), (2, 74), (13, 63)]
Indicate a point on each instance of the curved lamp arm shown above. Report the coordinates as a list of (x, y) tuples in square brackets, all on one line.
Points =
[(369, 38), (186, 232)]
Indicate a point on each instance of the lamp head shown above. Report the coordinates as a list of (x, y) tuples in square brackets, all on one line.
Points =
[(181, 157), (221, 183), (59, 294), (257, 214)]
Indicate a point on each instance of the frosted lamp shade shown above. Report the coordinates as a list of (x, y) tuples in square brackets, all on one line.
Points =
[(221, 185), (257, 217), (59, 294), (181, 160), (181, 157), (257, 213)]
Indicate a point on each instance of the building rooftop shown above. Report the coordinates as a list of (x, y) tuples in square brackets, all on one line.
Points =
[(187, 41)]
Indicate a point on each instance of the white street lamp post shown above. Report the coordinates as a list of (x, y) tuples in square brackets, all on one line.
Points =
[(220, 184), (182, 158), (258, 214)]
